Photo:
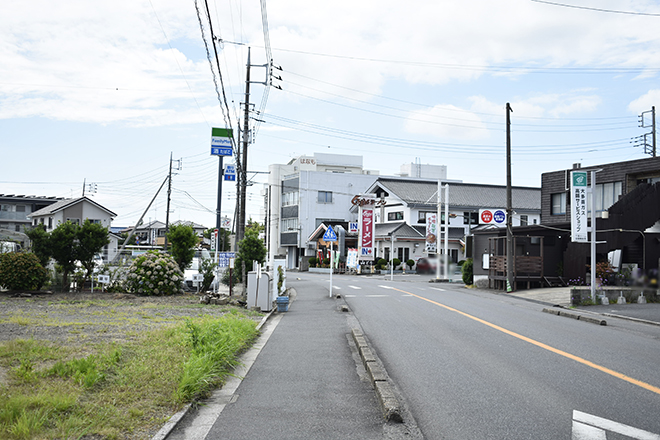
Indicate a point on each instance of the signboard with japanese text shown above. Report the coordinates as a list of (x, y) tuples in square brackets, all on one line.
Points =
[(366, 235), (221, 141), (225, 257), (431, 232), (492, 216), (230, 173), (352, 258), (579, 206)]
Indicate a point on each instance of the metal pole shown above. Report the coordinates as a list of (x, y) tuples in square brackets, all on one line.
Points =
[(593, 236), (509, 206), (653, 128), (446, 242), (331, 260), (438, 224), (392, 258)]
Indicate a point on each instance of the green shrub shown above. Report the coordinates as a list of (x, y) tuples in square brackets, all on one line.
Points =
[(467, 271), (396, 263), (154, 273), (410, 263), (312, 262), (21, 271), (381, 264)]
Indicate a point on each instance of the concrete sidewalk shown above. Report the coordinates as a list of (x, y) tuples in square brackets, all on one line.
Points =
[(308, 383)]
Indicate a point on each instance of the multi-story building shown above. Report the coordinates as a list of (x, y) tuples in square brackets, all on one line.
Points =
[(15, 209), (306, 192)]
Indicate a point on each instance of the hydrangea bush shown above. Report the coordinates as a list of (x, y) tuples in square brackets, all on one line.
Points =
[(154, 274)]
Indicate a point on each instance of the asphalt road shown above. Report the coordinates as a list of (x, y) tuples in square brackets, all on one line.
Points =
[(473, 365)]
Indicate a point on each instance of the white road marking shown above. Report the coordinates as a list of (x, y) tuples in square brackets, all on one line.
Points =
[(350, 296), (377, 296), (385, 287), (437, 288), (355, 287), (336, 287), (589, 427)]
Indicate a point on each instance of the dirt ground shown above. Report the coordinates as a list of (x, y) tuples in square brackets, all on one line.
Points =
[(84, 318)]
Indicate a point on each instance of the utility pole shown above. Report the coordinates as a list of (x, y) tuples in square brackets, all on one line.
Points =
[(642, 138), (510, 284), (167, 210), (240, 230)]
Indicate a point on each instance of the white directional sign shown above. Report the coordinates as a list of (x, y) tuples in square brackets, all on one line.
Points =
[(330, 235)]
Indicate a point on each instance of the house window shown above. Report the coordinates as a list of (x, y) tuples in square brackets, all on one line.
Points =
[(607, 194), (20, 208), (524, 220), (325, 197), (393, 216), (558, 204), (289, 224), (290, 198), (470, 218), (50, 222), (75, 221), (422, 216)]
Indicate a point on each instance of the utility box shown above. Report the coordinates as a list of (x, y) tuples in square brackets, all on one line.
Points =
[(259, 291)]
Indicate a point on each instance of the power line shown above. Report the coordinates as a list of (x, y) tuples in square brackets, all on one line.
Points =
[(597, 9)]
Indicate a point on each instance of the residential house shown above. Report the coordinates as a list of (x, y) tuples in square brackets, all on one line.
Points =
[(77, 211)]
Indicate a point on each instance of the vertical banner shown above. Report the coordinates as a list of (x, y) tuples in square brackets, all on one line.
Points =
[(431, 232), (579, 206), (366, 237)]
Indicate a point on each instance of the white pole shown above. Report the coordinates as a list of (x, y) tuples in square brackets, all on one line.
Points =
[(392, 259), (446, 231), (438, 224), (593, 236), (331, 269)]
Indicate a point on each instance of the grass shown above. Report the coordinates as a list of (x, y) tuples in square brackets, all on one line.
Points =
[(115, 390)]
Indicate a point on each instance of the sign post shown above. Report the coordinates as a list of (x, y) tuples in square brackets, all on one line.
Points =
[(331, 237)]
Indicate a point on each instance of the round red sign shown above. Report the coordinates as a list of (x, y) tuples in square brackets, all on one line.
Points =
[(486, 216)]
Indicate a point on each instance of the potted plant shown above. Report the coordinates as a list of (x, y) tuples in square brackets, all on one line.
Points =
[(282, 296)]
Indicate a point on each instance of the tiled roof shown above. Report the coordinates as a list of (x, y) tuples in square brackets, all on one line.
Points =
[(461, 195)]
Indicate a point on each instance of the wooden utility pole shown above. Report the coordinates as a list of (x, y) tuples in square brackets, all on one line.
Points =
[(510, 284)]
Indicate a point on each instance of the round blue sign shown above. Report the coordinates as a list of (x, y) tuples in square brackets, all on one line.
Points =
[(499, 216)]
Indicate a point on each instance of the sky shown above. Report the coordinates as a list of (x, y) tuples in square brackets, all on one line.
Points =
[(99, 95)]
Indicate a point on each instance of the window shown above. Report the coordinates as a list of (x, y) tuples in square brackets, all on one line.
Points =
[(20, 208), (75, 221), (470, 218), (290, 198), (50, 222), (325, 196), (524, 220), (558, 204), (607, 194), (422, 216), (393, 216), (289, 224)]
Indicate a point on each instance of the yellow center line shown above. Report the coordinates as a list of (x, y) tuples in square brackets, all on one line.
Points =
[(606, 370)]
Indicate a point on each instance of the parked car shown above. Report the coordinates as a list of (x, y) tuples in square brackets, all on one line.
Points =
[(193, 269), (427, 265)]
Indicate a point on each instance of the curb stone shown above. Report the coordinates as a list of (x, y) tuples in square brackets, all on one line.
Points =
[(379, 379), (577, 316)]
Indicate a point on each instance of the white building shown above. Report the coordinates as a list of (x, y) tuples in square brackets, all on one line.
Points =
[(304, 193), (408, 201)]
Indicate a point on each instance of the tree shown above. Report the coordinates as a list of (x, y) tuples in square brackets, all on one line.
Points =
[(250, 249), (91, 239), (63, 245), (21, 271), (183, 240), (40, 240)]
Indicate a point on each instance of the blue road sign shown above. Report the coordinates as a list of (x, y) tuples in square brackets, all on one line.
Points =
[(221, 151), (230, 177), (330, 235)]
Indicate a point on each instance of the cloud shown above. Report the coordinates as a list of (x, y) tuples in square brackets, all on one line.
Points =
[(645, 102)]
